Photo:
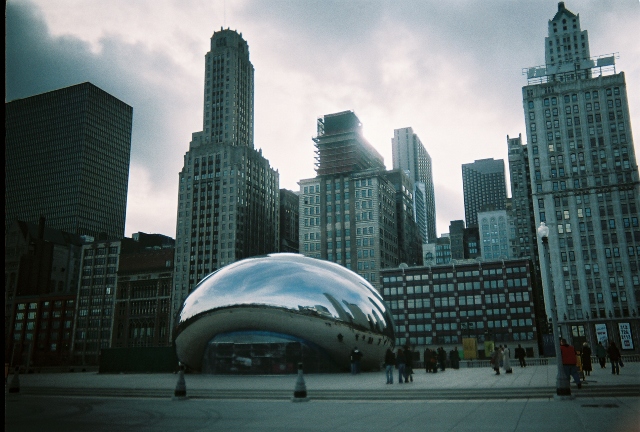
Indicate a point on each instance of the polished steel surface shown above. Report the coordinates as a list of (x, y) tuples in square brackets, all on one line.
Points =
[(305, 297)]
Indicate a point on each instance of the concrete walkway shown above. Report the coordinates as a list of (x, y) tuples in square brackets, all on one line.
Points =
[(464, 400), (466, 383)]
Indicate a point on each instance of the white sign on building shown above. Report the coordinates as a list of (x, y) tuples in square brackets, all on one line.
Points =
[(626, 340), (601, 333)]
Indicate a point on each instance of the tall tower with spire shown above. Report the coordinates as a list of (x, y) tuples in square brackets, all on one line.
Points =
[(229, 196), (228, 91), (567, 45), (584, 185)]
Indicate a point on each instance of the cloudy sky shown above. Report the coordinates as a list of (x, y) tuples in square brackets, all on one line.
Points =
[(452, 70)]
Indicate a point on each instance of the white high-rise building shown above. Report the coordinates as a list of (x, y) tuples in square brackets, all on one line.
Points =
[(585, 187)]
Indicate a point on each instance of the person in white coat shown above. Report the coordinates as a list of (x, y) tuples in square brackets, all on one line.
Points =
[(506, 360)]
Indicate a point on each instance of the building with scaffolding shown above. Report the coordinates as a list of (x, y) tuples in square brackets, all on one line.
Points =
[(584, 185), (340, 146), (348, 211)]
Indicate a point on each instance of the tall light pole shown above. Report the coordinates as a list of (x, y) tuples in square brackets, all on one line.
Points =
[(562, 382), (589, 331)]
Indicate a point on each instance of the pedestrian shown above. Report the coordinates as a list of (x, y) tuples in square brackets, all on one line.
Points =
[(506, 358), (570, 361), (601, 353), (434, 361), (431, 360), (496, 358), (400, 364), (454, 358), (442, 358), (579, 365), (614, 358), (585, 356), (408, 367), (520, 354), (356, 355), (389, 364), (427, 360)]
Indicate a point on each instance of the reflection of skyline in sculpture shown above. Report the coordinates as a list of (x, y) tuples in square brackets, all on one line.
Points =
[(359, 317), (338, 308), (320, 302)]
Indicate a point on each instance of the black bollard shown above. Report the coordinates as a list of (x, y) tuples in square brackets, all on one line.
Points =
[(300, 392), (14, 386), (180, 392)]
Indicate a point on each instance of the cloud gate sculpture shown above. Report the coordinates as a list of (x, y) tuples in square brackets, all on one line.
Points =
[(264, 314)]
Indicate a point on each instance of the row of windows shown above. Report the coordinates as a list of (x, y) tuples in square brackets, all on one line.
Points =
[(113, 250)]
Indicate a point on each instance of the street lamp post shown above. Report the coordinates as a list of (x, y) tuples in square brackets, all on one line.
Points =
[(468, 329), (563, 389), (589, 336)]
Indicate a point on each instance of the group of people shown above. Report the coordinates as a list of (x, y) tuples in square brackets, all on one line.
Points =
[(401, 360), (437, 358), (501, 357), (614, 357), (574, 362)]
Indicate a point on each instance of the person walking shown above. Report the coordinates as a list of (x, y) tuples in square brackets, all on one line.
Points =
[(506, 356), (389, 364), (454, 358), (356, 355), (614, 357), (520, 354), (570, 361), (601, 353), (442, 358), (432, 362), (408, 367), (400, 364), (496, 358), (427, 360), (585, 356)]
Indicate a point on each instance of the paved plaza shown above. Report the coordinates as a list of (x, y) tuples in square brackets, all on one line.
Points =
[(468, 399)]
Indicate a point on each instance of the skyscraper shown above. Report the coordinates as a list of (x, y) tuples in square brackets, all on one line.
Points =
[(67, 159), (456, 237), (484, 188), (523, 237), (521, 218), (228, 200), (409, 154), (585, 187), (494, 240), (289, 221), (409, 238), (348, 211)]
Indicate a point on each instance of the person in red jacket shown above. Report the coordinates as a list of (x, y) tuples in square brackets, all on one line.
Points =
[(570, 361)]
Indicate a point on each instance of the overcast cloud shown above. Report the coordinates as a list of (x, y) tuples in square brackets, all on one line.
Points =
[(451, 70)]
